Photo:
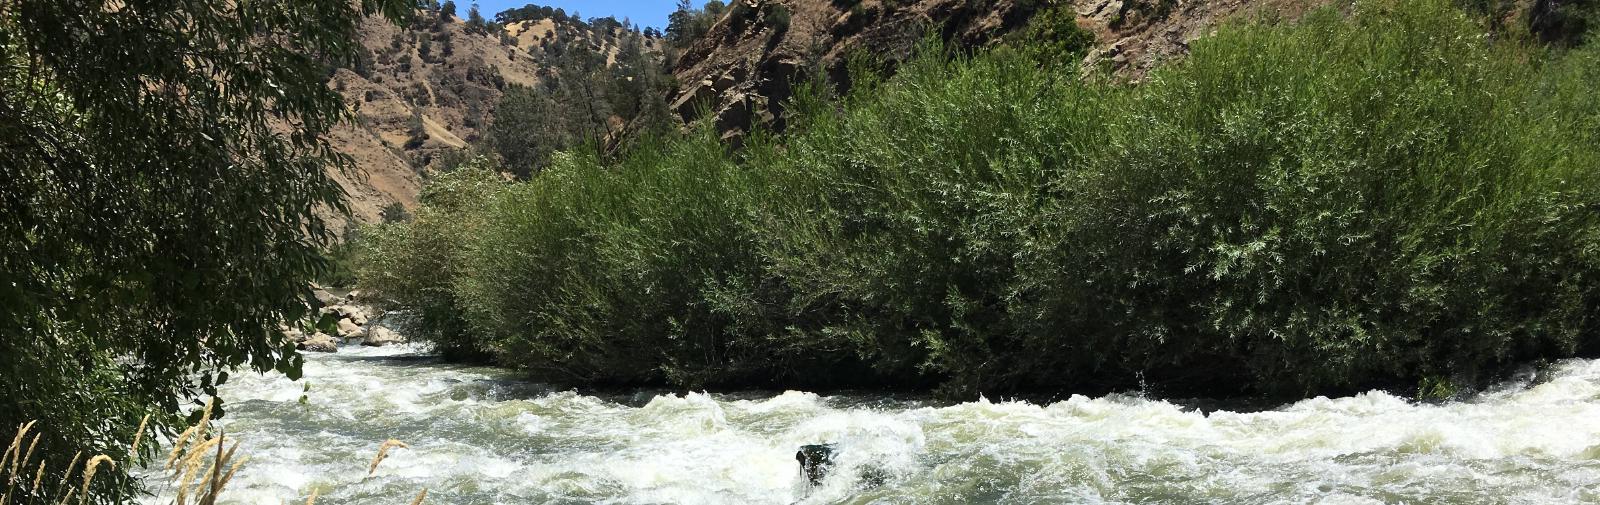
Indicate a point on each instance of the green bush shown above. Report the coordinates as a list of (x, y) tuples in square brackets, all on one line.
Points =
[(635, 273), (416, 264), (1346, 201), (1053, 37), (1329, 204)]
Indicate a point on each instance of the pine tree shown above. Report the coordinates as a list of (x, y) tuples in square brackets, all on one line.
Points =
[(475, 20)]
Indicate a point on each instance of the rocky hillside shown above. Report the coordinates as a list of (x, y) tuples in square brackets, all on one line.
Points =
[(743, 68), (428, 90), (1133, 36)]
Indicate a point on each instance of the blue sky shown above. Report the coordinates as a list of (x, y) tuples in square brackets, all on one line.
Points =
[(641, 12)]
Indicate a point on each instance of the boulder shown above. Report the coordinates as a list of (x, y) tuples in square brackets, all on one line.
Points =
[(323, 296), (815, 461), (319, 342), (349, 329), (734, 139), (735, 115), (355, 313), (379, 336), (725, 81), (701, 94)]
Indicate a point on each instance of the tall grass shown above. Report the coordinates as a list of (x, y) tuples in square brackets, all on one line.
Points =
[(1384, 196), (197, 469), (195, 472), (1350, 200)]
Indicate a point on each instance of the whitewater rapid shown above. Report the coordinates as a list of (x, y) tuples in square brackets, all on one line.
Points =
[(478, 436)]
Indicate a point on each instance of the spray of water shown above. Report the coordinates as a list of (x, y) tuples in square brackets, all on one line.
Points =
[(477, 436)]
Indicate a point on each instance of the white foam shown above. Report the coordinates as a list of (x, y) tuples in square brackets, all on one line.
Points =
[(1517, 444)]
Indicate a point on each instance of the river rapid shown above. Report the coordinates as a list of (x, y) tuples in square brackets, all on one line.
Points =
[(478, 436)]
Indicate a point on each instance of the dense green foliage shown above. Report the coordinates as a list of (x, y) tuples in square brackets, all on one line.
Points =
[(687, 24), (1337, 202), (159, 167), (1560, 22), (1053, 37), (581, 101), (415, 263)]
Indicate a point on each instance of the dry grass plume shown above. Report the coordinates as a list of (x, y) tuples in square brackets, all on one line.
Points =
[(383, 452), (199, 466)]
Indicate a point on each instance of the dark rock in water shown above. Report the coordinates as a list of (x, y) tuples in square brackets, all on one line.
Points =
[(872, 477), (815, 461)]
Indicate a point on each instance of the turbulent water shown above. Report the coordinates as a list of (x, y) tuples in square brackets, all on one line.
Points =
[(478, 436)]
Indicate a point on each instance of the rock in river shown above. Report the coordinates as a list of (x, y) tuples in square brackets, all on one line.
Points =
[(349, 329), (379, 336), (319, 342)]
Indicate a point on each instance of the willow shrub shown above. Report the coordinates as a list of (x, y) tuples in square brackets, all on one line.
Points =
[(418, 263), (1344, 201), (897, 220), (635, 273), (1339, 202)]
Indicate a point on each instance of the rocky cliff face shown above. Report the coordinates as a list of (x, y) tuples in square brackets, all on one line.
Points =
[(742, 70), (428, 90), (745, 67), (1133, 36)]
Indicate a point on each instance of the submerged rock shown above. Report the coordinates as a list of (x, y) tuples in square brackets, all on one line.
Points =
[(815, 461)]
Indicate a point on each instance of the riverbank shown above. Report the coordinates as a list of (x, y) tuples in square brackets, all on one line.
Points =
[(1375, 197), (478, 435)]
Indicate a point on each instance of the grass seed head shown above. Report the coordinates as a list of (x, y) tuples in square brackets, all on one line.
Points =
[(383, 452)]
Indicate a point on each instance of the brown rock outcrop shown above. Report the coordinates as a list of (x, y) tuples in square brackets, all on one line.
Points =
[(318, 342), (743, 70), (1133, 36)]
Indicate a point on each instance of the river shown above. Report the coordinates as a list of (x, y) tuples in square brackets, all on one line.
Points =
[(478, 436)]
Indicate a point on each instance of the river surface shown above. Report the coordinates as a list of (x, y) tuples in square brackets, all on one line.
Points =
[(477, 436)]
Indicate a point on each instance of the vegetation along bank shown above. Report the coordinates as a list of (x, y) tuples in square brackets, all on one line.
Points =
[(1386, 194)]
